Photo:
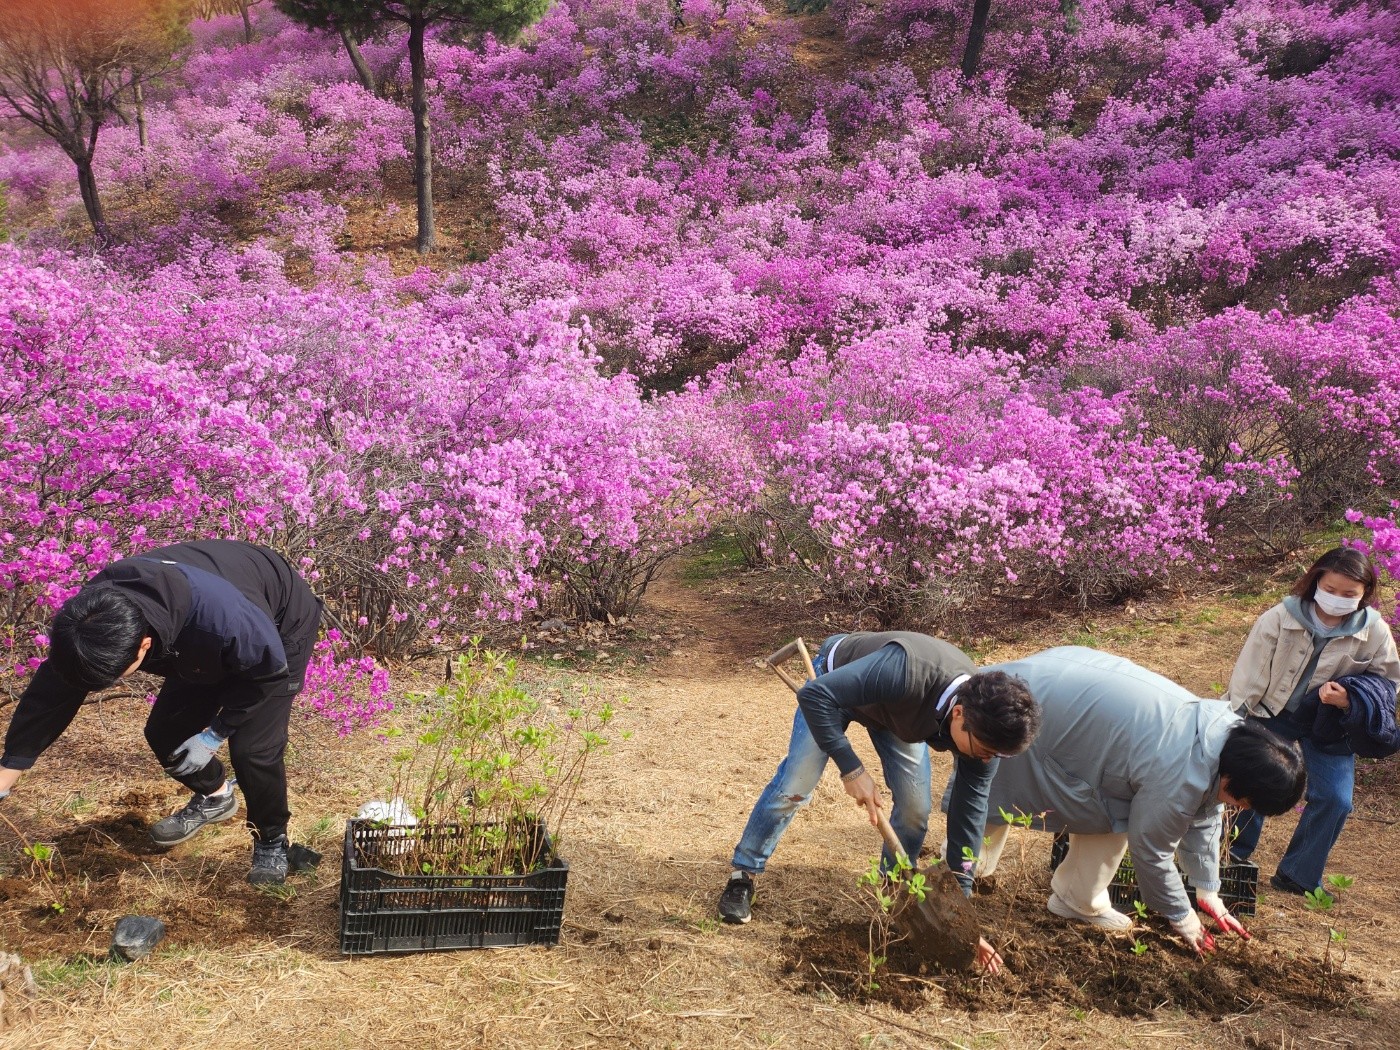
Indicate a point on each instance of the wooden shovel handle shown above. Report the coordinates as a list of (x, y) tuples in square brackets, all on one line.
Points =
[(892, 840), (795, 647)]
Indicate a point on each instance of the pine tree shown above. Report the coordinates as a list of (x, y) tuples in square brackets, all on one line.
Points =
[(362, 18)]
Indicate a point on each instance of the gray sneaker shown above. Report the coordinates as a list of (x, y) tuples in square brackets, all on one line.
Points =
[(269, 863), (199, 811)]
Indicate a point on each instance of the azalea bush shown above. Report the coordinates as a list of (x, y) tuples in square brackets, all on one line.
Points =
[(349, 691), (963, 478), (1383, 544), (426, 470), (1119, 309)]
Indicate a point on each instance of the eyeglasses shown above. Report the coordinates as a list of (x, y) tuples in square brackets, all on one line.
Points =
[(977, 749), (981, 751)]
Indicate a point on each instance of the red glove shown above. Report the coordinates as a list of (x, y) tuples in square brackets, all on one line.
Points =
[(1194, 933), (1212, 905)]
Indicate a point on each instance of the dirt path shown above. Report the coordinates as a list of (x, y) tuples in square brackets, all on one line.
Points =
[(643, 961)]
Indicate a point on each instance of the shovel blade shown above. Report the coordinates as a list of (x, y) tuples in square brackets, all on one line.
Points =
[(943, 927)]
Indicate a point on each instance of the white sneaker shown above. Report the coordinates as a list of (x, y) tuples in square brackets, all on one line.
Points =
[(1109, 920)]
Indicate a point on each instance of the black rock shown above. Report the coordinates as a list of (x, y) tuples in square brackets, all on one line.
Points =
[(135, 936), (302, 858)]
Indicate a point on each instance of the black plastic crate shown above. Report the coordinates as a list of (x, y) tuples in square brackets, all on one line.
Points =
[(1239, 882), (384, 911)]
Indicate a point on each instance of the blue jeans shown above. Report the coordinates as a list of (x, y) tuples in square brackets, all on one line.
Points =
[(1328, 798), (907, 773)]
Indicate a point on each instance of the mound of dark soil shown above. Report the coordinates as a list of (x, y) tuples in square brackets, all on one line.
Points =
[(1050, 960), (107, 866)]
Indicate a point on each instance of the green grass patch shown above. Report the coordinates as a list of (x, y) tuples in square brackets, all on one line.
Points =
[(715, 557), (72, 972)]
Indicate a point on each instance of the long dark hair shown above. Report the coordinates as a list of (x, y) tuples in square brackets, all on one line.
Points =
[(1345, 561)]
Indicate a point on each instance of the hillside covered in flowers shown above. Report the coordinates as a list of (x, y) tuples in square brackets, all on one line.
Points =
[(1118, 309)]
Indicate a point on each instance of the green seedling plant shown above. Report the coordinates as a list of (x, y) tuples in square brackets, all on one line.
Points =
[(1017, 819), (41, 857), (1139, 947), (1020, 819), (1337, 937), (491, 768), (1140, 909), (884, 889), (1320, 900)]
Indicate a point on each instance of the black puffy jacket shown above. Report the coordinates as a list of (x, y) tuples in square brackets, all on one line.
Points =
[(221, 613)]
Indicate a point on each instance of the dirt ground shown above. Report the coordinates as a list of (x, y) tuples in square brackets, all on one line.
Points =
[(643, 961)]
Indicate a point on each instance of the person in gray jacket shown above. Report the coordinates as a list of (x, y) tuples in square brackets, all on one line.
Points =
[(1127, 759)]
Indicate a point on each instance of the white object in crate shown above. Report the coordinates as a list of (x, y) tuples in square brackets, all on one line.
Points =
[(395, 813)]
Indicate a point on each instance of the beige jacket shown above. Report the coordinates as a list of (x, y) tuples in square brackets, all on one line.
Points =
[(1278, 650)]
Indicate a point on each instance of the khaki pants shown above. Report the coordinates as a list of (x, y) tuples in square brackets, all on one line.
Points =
[(1082, 878)]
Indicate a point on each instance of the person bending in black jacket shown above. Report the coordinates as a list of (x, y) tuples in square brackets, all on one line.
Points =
[(230, 626)]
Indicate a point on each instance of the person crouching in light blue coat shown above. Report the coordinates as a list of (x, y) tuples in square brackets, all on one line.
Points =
[(1126, 759)]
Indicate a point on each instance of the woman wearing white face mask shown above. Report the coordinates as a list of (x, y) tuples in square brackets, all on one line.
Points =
[(1323, 631)]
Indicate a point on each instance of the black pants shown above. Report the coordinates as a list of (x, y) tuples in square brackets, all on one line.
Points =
[(257, 749)]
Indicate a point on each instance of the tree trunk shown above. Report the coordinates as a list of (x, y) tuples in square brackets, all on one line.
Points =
[(87, 186), (975, 35), (243, 6), (357, 60), (140, 93), (1070, 9), (422, 143)]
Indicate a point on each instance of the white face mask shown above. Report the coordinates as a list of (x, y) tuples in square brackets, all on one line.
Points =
[(1334, 606)]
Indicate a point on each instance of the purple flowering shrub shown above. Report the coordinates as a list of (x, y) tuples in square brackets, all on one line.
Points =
[(1298, 412), (106, 450), (1126, 304), (348, 690), (427, 468), (912, 478)]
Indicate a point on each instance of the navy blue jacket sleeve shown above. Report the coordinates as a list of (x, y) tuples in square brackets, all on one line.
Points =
[(242, 695), (45, 709), (256, 664), (252, 658), (967, 814), (1369, 720), (828, 700)]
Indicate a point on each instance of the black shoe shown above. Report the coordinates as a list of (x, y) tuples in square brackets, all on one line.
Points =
[(199, 811), (735, 901), (1283, 883), (269, 863)]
